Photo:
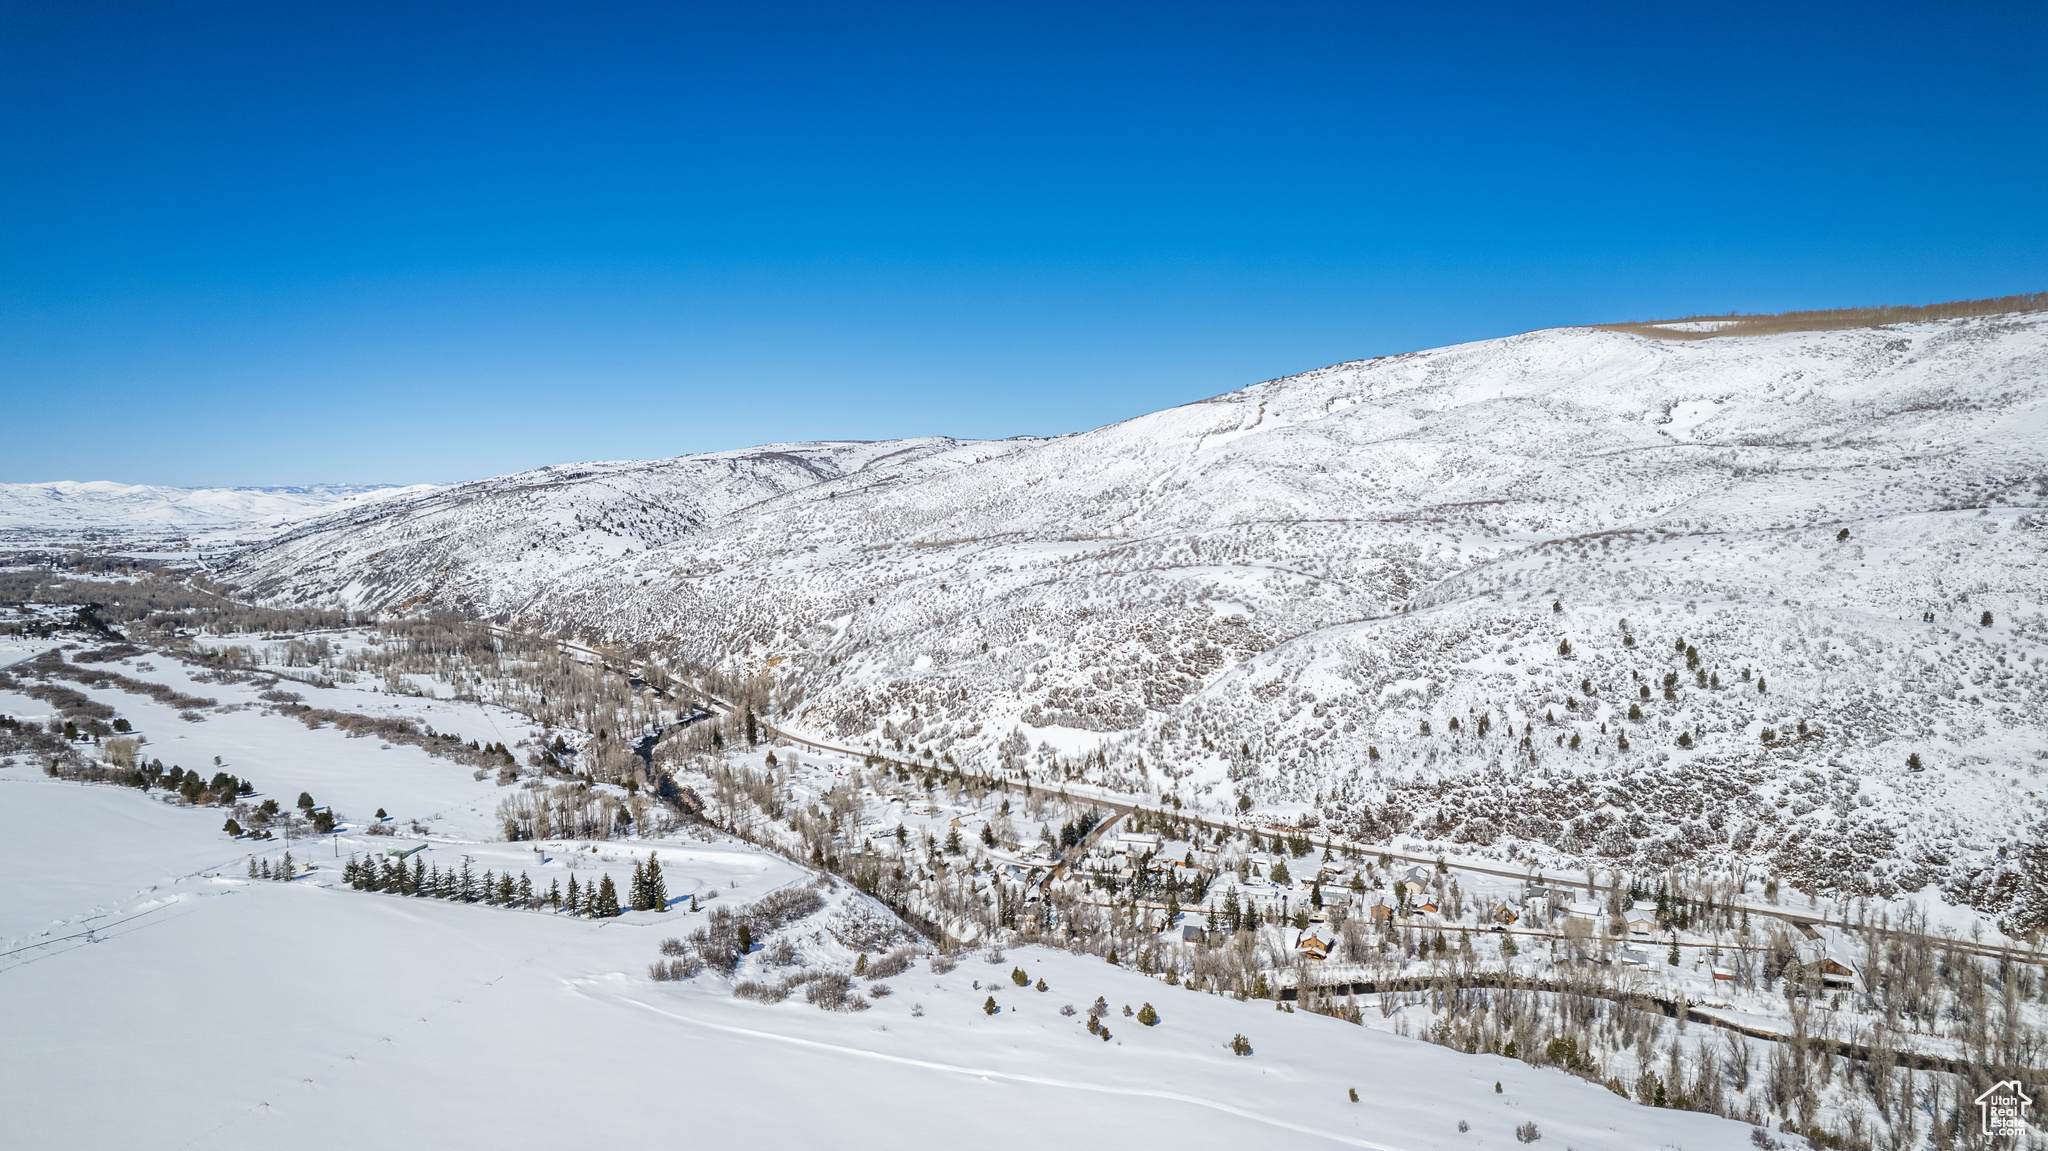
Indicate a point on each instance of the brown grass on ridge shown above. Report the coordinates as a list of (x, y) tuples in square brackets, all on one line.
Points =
[(1740, 324)]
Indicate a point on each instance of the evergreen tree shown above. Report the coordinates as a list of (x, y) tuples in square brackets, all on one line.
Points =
[(1280, 874), (607, 901), (419, 876), (487, 891), (953, 842), (285, 871), (753, 736), (465, 885), (252, 866), (1147, 1016), (555, 893), (506, 890), (574, 901), (989, 1007), (639, 887), (657, 887)]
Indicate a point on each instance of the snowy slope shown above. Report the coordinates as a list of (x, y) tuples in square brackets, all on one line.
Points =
[(1253, 594), (69, 509), (488, 545)]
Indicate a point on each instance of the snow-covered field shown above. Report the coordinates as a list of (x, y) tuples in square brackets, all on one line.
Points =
[(244, 1013)]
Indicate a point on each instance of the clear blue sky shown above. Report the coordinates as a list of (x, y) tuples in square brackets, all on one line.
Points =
[(280, 243)]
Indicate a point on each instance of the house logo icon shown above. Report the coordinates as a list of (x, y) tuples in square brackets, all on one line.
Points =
[(2004, 1108)]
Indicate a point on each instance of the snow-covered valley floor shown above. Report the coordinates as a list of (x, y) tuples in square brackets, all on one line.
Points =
[(239, 1013)]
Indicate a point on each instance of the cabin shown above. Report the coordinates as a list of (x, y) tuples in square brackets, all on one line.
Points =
[(1312, 945), (1190, 933), (1822, 956), (1380, 912), (1503, 914)]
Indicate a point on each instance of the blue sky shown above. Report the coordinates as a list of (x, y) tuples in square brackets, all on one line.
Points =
[(276, 243)]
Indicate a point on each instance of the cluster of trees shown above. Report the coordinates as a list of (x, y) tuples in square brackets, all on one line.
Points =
[(581, 811), (598, 900), (284, 872)]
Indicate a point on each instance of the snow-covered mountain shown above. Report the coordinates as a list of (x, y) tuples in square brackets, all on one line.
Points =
[(69, 510), (489, 545), (1270, 593)]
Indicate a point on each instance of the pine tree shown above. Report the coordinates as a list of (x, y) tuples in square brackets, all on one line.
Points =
[(285, 871), (252, 866), (555, 894), (419, 876), (465, 885), (1147, 1016), (639, 887), (607, 903), (488, 889), (574, 902), (657, 887), (989, 1007)]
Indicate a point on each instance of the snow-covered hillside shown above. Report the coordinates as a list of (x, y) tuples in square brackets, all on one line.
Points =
[(489, 545), (1270, 593), (69, 511)]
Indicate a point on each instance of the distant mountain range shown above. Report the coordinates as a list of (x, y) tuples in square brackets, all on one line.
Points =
[(68, 511)]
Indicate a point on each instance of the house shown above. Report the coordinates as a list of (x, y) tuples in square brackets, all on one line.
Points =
[(1313, 945), (1641, 922), (1584, 909), (1723, 975), (1633, 955), (1503, 914), (1137, 843), (1189, 933), (1824, 955), (1380, 912)]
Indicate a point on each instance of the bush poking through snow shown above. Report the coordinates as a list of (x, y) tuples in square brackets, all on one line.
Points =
[(1239, 1045), (674, 970), (833, 992), (891, 964), (1527, 1132), (760, 992)]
